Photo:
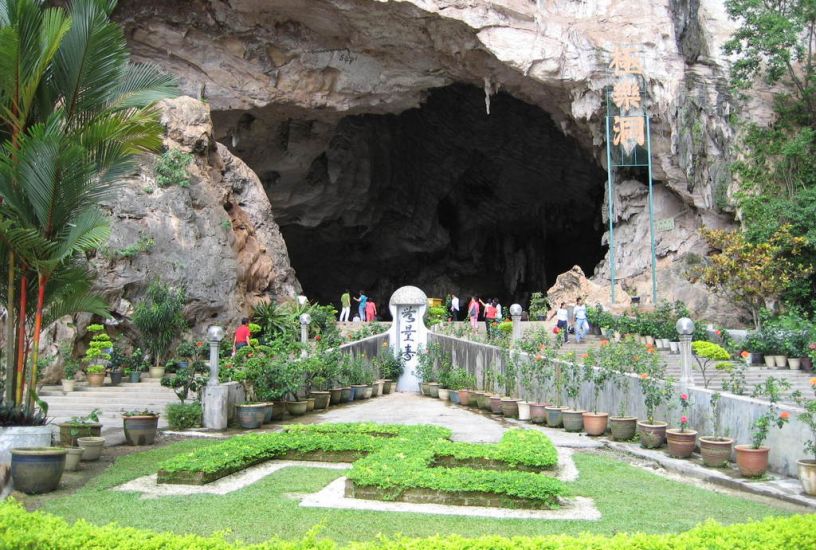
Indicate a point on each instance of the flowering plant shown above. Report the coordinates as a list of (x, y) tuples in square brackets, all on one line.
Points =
[(684, 406), (808, 416), (771, 389), (656, 388), (811, 351)]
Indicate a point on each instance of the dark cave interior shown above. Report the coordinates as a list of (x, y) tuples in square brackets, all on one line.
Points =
[(444, 197)]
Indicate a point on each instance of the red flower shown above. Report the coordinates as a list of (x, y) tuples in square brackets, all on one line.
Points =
[(718, 332), (539, 357), (643, 376), (317, 337), (199, 344), (683, 420), (745, 354), (556, 330), (784, 415), (250, 354), (684, 396), (585, 356)]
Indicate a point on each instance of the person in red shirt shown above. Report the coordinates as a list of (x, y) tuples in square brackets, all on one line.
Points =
[(371, 310), (491, 311), (241, 335)]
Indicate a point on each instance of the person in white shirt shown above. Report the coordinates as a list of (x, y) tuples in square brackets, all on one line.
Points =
[(454, 307), (498, 309), (562, 316), (581, 323)]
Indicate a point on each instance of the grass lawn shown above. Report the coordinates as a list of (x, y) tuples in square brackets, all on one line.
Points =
[(629, 498)]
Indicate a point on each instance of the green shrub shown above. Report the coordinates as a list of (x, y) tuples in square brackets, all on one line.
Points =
[(181, 416), (41, 531), (171, 168)]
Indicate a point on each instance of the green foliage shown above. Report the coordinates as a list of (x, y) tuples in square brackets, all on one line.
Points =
[(140, 412), (436, 315), (143, 245), (539, 305), (390, 364), (99, 346), (159, 318), (368, 329), (459, 379), (401, 461), (182, 416), (172, 168), (656, 387), (704, 354), (808, 416), (771, 389)]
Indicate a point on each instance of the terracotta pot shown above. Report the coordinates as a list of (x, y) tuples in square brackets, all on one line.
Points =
[(652, 436), (595, 423), (37, 470), (573, 420), (538, 413), (623, 428), (96, 380), (335, 396), (464, 397), (321, 398), (715, 452), (140, 430), (310, 404), (433, 389), (296, 408), (807, 475), (524, 410), (681, 444), (509, 407), (752, 462), (444, 394), (555, 416), (387, 383), (495, 404)]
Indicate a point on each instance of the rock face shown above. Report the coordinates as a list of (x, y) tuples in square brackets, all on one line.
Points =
[(217, 236), (573, 284), (307, 93)]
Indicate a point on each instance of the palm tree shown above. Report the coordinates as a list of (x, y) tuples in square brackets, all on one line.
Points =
[(74, 112)]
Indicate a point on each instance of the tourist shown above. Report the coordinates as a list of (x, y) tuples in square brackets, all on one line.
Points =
[(473, 312), (454, 307), (370, 311), (498, 309), (562, 323), (345, 303), (241, 335), (490, 315), (581, 324), (361, 299)]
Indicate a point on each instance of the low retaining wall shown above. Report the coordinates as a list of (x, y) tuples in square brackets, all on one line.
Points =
[(369, 347), (738, 413)]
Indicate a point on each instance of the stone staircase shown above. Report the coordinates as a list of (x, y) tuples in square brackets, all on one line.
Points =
[(111, 400)]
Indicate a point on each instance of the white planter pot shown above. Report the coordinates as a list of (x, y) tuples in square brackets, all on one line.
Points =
[(617, 336), (807, 475), (91, 447), (795, 363), (664, 343), (68, 385), (781, 361), (674, 347), (444, 394), (650, 340), (524, 410), (770, 362), (15, 437), (604, 331)]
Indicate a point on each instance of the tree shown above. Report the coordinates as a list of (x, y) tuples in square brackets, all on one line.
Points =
[(751, 274), (159, 317), (73, 113)]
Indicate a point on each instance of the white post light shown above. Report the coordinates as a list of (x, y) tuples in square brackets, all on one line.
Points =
[(685, 329), (515, 315), (305, 319), (214, 336)]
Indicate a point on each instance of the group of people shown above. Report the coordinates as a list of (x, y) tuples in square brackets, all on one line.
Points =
[(580, 324), (366, 307), (491, 310)]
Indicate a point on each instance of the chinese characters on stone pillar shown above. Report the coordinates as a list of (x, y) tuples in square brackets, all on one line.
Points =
[(628, 129), (407, 332)]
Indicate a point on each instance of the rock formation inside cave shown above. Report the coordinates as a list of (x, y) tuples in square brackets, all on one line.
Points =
[(443, 196)]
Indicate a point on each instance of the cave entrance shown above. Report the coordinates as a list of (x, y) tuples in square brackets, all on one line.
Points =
[(444, 197)]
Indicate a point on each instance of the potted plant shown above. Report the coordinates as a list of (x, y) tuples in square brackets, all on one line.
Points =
[(810, 357), (140, 426), (573, 418), (97, 355), (80, 426), (539, 305), (752, 459), (716, 448), (159, 317), (37, 470), (596, 374), (682, 442), (555, 412), (619, 360), (95, 374), (656, 390), (807, 466), (540, 378), (70, 369), (424, 369)]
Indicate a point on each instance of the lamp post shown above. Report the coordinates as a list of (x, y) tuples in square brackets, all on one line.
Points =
[(214, 336), (685, 328), (515, 315), (305, 319)]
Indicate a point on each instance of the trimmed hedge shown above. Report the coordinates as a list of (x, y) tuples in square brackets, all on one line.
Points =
[(393, 458), (41, 531)]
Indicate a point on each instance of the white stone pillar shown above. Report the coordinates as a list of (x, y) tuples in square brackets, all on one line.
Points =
[(515, 314), (408, 333), (685, 329)]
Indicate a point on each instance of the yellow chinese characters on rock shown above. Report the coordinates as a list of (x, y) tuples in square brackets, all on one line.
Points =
[(628, 130), (624, 61), (626, 95)]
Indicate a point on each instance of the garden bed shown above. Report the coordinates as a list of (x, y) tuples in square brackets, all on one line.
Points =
[(400, 462)]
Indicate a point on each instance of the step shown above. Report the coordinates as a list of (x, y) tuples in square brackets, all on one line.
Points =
[(107, 395)]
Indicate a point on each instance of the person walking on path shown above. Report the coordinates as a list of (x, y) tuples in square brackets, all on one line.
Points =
[(490, 316), (581, 323), (454, 307), (361, 299), (473, 312), (241, 335), (562, 317), (370, 311), (345, 303)]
